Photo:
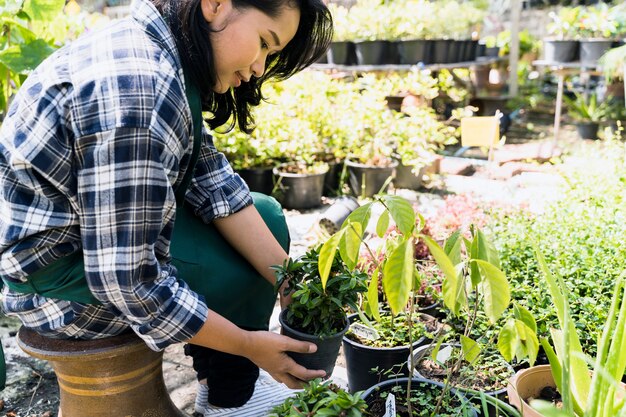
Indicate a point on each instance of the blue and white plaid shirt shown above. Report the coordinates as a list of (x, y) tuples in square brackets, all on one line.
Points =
[(91, 151)]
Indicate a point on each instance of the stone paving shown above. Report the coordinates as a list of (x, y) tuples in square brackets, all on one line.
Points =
[(31, 386)]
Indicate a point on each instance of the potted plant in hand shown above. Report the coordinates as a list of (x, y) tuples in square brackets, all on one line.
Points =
[(583, 392), (321, 399), (587, 113), (317, 312)]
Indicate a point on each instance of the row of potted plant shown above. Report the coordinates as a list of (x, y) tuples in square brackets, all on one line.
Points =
[(584, 33), (405, 32), (312, 123)]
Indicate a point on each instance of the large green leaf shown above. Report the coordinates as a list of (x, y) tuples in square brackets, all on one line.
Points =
[(453, 283), (43, 10), (517, 340), (372, 295), (495, 288), (360, 215), (327, 256), (350, 244), (383, 224), (398, 276), (470, 349), (452, 247), (401, 211), (525, 316), (22, 59)]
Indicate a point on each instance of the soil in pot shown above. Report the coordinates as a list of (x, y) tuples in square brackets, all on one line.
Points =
[(371, 361), (489, 374), (424, 399)]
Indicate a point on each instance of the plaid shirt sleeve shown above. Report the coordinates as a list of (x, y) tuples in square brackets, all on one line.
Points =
[(216, 190), (125, 200)]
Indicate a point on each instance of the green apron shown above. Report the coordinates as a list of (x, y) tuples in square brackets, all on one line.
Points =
[(204, 259)]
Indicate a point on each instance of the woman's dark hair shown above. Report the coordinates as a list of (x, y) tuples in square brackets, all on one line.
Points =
[(192, 31)]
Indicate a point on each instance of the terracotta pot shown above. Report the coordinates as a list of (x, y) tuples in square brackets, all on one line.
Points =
[(529, 383), (114, 376)]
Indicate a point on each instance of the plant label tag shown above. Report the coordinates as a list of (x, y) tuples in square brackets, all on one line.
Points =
[(444, 354), (364, 332), (390, 406)]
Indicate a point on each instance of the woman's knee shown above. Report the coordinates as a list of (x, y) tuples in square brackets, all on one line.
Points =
[(272, 213)]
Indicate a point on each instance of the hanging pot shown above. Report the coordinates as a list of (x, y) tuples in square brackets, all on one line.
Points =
[(327, 348)]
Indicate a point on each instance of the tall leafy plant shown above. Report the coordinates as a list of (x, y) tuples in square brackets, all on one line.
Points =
[(478, 271), (25, 41), (598, 394)]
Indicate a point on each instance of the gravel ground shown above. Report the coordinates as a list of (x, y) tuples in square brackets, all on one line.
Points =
[(32, 390)]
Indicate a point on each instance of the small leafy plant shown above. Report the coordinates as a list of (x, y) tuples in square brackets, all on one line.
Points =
[(585, 110), (321, 399), (318, 306)]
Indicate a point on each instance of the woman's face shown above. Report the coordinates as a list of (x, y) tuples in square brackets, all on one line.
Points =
[(244, 38)]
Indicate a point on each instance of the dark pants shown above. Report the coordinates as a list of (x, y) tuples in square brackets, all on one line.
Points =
[(232, 288)]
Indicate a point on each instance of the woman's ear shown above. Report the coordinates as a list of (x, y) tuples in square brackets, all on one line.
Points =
[(211, 9)]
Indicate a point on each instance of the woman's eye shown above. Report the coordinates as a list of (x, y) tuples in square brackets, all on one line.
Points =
[(264, 45)]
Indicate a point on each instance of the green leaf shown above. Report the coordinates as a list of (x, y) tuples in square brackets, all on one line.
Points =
[(383, 224), (548, 409), (453, 286), (452, 247), (525, 316), (350, 244), (43, 10), (401, 211), (495, 288), (398, 276), (470, 349), (517, 340), (22, 59), (361, 215), (372, 295), (327, 256)]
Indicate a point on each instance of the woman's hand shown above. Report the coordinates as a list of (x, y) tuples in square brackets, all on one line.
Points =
[(268, 351)]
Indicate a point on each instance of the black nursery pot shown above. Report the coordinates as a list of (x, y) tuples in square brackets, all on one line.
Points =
[(368, 180), (334, 216), (299, 191), (588, 130), (327, 348), (260, 180), (361, 359), (374, 392)]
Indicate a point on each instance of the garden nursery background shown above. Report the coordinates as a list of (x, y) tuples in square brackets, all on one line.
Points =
[(453, 177)]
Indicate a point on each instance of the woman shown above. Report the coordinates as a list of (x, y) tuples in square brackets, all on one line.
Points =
[(94, 151)]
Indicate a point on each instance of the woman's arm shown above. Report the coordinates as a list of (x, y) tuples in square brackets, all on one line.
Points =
[(265, 349), (249, 235)]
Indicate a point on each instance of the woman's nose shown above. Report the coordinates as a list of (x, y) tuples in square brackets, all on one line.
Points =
[(258, 67)]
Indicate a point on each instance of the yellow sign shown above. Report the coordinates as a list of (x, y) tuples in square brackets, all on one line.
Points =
[(480, 131)]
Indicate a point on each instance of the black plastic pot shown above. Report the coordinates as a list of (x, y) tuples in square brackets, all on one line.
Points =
[(560, 50), (299, 191), (332, 178), (405, 178), (361, 359), (372, 52), (414, 51), (341, 53), (588, 130), (440, 51), (500, 394), (327, 348), (367, 180), (260, 180), (332, 219), (492, 51), (372, 393), (592, 49)]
